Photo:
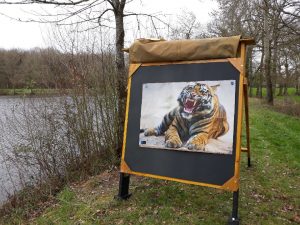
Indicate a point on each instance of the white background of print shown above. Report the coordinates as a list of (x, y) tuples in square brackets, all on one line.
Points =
[(159, 98)]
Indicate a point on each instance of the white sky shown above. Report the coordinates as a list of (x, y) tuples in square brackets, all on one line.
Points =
[(14, 34)]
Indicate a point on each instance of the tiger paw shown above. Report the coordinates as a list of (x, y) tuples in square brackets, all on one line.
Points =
[(173, 143), (151, 132), (193, 144)]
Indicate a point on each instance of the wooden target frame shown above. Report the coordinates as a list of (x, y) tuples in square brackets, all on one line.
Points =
[(132, 160)]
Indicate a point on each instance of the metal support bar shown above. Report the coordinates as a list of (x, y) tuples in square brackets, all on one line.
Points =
[(234, 219), (124, 186)]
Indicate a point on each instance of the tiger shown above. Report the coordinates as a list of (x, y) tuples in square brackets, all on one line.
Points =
[(198, 117)]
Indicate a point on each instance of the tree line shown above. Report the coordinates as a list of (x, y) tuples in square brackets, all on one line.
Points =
[(37, 68), (275, 26), (49, 68), (272, 63)]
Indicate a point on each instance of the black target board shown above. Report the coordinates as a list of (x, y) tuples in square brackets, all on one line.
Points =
[(183, 122)]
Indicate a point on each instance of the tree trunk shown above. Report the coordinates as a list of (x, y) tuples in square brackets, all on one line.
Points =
[(298, 85), (121, 73), (250, 90), (267, 60), (287, 76), (285, 89), (250, 70), (274, 64), (269, 85), (260, 78), (258, 92), (280, 90)]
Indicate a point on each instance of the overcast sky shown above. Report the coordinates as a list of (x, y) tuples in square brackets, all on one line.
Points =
[(22, 35)]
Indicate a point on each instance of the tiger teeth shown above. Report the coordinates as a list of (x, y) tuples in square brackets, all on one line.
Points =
[(190, 100)]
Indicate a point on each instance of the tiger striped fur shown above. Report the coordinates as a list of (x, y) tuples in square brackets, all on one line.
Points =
[(198, 117)]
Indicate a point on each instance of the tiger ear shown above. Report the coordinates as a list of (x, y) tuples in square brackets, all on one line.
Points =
[(215, 87)]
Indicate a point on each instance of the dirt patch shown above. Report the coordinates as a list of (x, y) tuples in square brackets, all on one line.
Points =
[(287, 106)]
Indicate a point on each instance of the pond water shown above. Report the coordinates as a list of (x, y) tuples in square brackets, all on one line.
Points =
[(39, 136), (8, 181), (36, 131), (12, 128)]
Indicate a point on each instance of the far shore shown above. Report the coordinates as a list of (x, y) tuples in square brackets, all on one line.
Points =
[(32, 92)]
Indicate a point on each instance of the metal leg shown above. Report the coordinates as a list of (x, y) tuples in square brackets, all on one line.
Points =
[(124, 186), (234, 220), (249, 161)]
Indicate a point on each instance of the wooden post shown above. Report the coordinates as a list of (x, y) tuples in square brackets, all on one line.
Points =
[(243, 44), (234, 219)]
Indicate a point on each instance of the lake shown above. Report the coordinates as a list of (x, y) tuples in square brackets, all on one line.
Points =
[(8, 181), (13, 111), (48, 134)]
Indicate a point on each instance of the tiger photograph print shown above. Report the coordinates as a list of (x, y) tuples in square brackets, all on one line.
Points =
[(188, 116)]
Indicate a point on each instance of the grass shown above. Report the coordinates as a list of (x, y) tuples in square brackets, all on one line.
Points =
[(27, 91), (269, 192), (290, 91)]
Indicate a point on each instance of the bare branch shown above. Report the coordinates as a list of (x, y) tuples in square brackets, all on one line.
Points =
[(42, 2), (102, 14)]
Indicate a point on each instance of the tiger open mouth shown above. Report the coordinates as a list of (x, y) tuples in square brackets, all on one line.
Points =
[(190, 105)]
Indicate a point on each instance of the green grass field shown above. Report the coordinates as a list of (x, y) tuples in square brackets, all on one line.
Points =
[(269, 191), (291, 94)]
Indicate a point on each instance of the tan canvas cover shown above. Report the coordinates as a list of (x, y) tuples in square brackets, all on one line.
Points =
[(148, 50)]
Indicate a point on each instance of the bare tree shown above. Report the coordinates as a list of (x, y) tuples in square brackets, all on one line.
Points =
[(267, 53), (91, 14), (187, 26), (275, 26)]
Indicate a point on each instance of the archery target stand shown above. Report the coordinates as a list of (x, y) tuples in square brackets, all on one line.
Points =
[(220, 171)]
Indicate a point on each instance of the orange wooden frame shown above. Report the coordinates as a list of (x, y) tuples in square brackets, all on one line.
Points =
[(239, 63)]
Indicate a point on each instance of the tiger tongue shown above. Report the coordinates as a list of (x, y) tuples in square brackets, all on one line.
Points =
[(189, 105)]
